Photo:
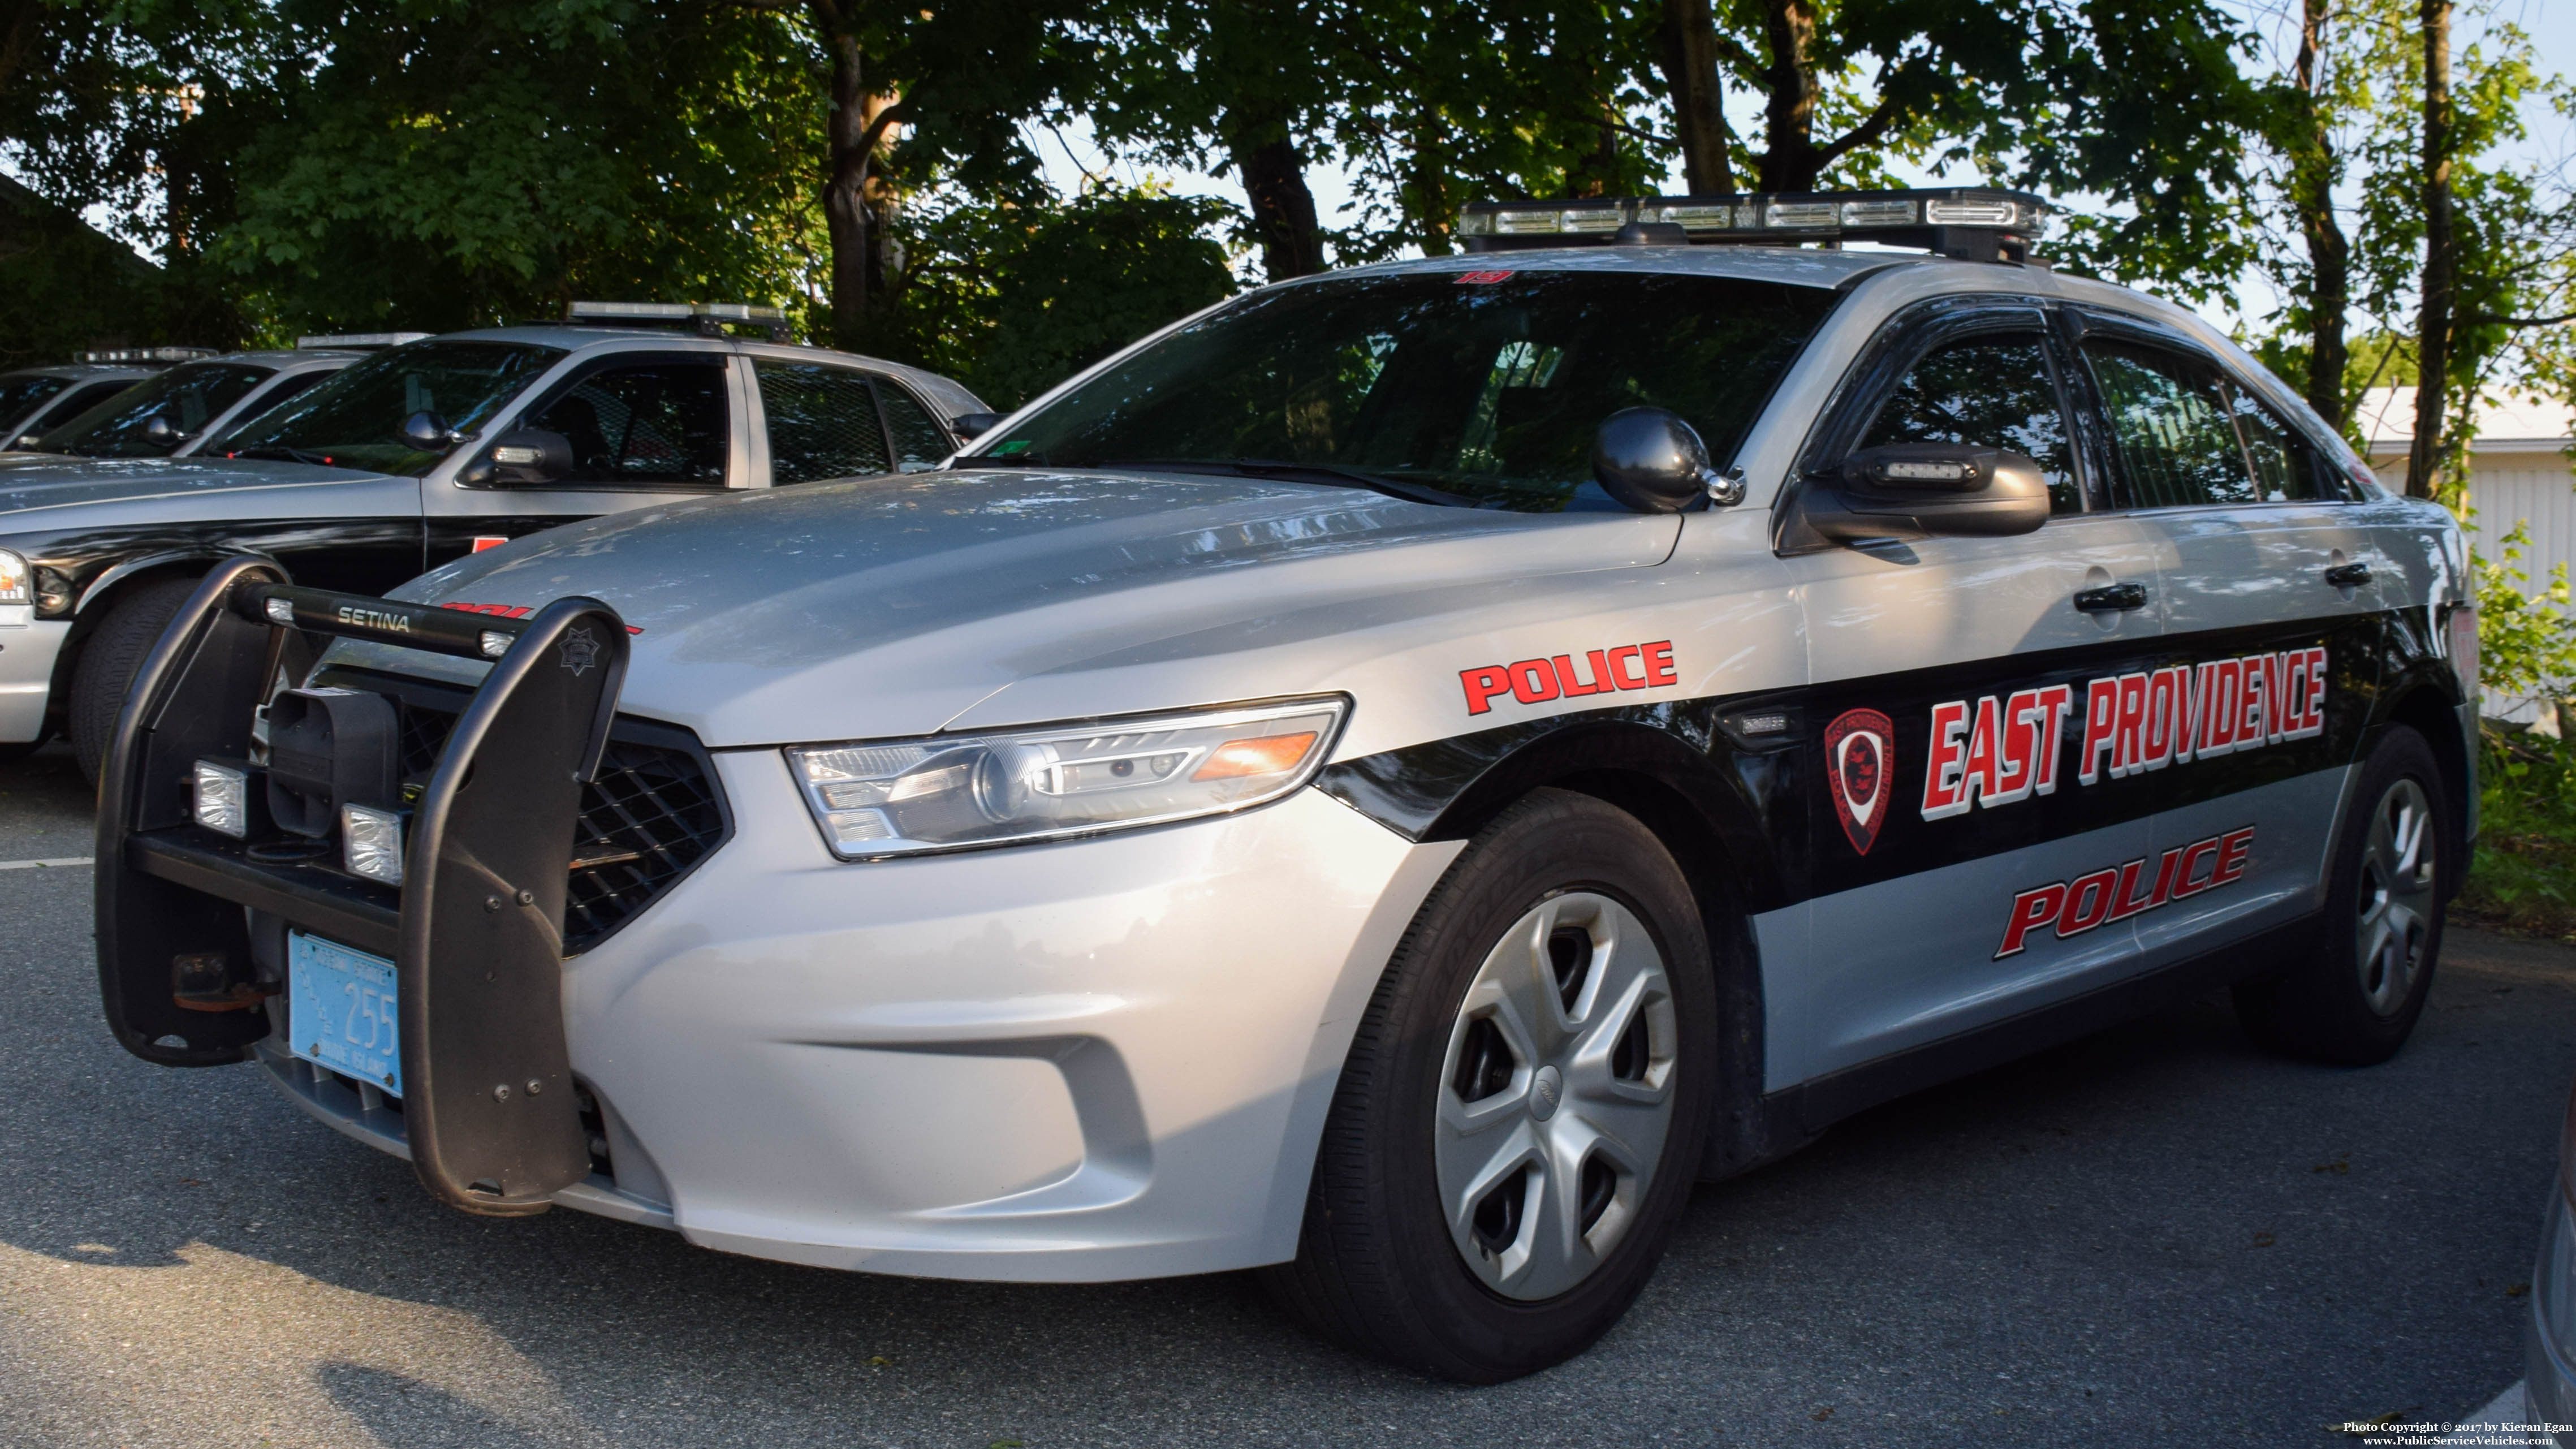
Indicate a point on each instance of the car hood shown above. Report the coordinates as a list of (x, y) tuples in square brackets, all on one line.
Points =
[(80, 492), (904, 605)]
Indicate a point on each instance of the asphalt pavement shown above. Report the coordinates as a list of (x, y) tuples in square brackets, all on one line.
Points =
[(2158, 1236)]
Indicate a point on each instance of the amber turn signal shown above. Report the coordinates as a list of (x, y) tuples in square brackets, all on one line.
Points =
[(1268, 755)]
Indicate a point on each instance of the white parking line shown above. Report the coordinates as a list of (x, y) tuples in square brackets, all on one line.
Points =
[(65, 861)]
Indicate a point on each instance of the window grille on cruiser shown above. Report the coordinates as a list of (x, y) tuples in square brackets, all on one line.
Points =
[(651, 814)]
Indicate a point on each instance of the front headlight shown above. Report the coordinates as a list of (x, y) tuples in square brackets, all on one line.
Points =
[(15, 586), (880, 798)]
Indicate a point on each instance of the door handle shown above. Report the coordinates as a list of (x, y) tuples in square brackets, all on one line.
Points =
[(2348, 576), (2112, 598)]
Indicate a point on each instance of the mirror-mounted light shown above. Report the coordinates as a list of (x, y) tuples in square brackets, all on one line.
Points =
[(159, 429), (1925, 490), (974, 425)]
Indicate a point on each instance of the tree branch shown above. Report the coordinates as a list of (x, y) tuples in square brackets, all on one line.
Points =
[(2489, 319)]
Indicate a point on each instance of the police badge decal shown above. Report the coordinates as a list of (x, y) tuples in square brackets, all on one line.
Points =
[(1858, 762), (580, 651)]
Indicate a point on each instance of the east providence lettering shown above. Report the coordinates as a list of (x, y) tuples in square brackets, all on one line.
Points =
[(2002, 749)]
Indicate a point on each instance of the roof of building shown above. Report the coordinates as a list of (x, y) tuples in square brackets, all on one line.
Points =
[(2506, 422)]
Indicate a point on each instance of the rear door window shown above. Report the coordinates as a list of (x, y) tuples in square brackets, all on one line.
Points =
[(656, 424), (2183, 435), (823, 422), (919, 443), (1989, 392)]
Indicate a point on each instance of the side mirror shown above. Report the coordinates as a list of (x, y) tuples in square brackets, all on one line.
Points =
[(428, 432), (159, 429), (1652, 461), (521, 458), (1926, 490), (973, 425)]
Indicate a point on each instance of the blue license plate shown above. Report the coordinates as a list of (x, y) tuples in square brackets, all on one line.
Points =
[(343, 1010)]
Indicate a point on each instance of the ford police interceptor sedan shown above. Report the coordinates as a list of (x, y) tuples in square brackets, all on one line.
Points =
[(1389, 781), (405, 460)]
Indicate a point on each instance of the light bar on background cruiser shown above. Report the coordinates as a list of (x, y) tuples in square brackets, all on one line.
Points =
[(706, 318), (148, 354), (1963, 221), (359, 341), (880, 798)]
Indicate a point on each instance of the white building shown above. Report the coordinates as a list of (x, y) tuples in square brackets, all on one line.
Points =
[(2518, 470)]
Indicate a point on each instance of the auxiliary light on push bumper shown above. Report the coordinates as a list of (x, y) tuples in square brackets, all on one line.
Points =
[(466, 895)]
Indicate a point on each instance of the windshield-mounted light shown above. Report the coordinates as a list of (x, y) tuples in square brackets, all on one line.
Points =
[(876, 799)]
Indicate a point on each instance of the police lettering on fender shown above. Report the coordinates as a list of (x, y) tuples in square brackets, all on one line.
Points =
[(1603, 671)]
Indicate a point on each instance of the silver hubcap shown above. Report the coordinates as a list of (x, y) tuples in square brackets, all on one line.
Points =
[(2396, 898), (1555, 1096)]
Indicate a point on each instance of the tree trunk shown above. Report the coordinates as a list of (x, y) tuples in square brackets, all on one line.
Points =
[(2314, 169), (1426, 201), (2433, 334), (1699, 110), (1283, 210), (851, 211), (1789, 158)]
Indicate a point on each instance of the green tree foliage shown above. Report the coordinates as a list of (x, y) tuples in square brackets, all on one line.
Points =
[(454, 165), (1012, 297)]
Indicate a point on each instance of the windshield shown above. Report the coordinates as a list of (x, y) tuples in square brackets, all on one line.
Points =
[(190, 397), (19, 395), (355, 420), (1483, 386)]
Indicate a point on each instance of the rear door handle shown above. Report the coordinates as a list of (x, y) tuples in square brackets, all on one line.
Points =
[(2112, 598), (2348, 576)]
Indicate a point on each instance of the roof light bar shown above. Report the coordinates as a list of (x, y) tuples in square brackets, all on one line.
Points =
[(359, 341), (708, 319), (148, 354), (1975, 223)]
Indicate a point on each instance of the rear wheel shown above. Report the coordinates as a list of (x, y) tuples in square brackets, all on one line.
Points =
[(2358, 996), (111, 658), (1521, 1117)]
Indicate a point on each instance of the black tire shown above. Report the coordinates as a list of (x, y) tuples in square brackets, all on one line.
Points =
[(2341, 1004), (1378, 1268), (109, 660)]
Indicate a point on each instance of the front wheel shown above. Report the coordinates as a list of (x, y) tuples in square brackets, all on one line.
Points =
[(1521, 1117), (110, 660), (2356, 998)]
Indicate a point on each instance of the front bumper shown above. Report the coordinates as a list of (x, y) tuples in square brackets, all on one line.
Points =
[(1092, 1060), (27, 655)]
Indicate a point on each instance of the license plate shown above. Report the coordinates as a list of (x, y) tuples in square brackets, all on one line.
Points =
[(343, 1010)]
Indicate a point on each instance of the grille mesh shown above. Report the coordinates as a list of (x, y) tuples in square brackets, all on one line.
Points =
[(650, 815)]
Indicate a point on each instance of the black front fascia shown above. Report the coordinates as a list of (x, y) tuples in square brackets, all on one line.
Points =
[(350, 555), (1769, 804)]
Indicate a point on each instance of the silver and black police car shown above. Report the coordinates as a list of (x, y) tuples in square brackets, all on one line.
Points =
[(400, 462), (1388, 781)]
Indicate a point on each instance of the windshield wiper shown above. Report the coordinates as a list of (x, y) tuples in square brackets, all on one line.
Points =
[(1328, 474), (283, 454)]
